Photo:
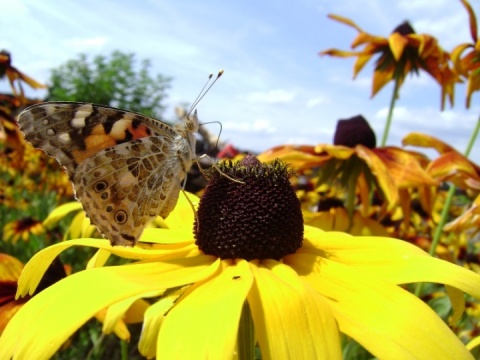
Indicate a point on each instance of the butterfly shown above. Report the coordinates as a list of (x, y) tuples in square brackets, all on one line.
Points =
[(126, 168)]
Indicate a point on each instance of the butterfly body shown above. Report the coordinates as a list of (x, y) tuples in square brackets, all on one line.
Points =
[(126, 168)]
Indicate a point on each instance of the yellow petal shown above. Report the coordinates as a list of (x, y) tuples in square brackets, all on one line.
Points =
[(291, 321), (36, 267), (384, 318), (60, 212), (116, 312), (204, 323), (381, 78), (424, 140), (183, 215), (456, 58), (397, 43), (345, 21), (381, 173), (10, 268), (472, 20), (153, 319), (404, 168), (454, 167), (62, 308), (393, 260)]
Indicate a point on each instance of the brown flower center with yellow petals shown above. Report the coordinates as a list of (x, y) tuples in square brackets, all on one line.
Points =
[(259, 218)]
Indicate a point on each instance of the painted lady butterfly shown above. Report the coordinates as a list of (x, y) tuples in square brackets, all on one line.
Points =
[(126, 168)]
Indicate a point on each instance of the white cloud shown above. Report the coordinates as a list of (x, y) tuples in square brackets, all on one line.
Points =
[(317, 101), (90, 43), (270, 96), (262, 126)]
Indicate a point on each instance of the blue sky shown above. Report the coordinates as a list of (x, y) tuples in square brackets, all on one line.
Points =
[(276, 89)]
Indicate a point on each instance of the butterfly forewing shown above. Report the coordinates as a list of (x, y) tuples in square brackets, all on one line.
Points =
[(126, 168)]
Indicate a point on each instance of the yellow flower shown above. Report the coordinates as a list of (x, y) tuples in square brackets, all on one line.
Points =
[(10, 269), (469, 65), (401, 53), (22, 229), (303, 286)]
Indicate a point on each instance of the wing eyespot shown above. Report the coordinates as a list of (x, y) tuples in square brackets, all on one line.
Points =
[(100, 186), (121, 217)]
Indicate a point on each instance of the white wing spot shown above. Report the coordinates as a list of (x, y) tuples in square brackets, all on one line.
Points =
[(78, 122), (64, 138), (50, 132), (45, 122)]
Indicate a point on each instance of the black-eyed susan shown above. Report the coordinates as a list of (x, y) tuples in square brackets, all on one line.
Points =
[(354, 161), (22, 229), (302, 286), (10, 269), (15, 76), (403, 52), (469, 65)]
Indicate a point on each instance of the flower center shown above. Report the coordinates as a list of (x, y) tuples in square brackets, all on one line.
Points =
[(259, 218), (354, 131)]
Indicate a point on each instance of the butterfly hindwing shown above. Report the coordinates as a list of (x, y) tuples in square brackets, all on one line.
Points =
[(124, 187)]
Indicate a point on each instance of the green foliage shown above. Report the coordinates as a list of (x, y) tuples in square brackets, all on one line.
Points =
[(115, 80)]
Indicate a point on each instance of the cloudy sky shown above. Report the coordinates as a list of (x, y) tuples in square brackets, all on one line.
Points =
[(276, 88)]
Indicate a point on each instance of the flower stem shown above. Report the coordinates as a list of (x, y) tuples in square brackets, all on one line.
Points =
[(448, 202), (390, 112), (246, 336)]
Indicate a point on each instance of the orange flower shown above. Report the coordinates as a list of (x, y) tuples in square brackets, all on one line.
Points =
[(401, 53), (469, 65)]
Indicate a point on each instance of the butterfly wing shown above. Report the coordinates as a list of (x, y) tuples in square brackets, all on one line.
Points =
[(124, 187), (72, 132), (126, 168)]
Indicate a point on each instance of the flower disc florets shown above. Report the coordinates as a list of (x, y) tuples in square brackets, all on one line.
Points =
[(258, 217)]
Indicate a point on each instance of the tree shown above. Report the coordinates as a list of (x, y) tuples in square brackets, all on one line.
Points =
[(114, 81)]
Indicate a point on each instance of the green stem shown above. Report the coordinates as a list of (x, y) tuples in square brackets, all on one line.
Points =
[(448, 202), (124, 349), (390, 112), (246, 335)]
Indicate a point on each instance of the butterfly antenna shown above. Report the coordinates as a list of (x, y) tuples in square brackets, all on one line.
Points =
[(204, 90)]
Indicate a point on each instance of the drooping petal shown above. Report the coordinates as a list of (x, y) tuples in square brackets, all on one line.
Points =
[(298, 156), (345, 21), (454, 167), (381, 78), (397, 43), (291, 321), (424, 140), (404, 168), (204, 322), (361, 306), (24, 338), (472, 20), (381, 173), (36, 267)]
